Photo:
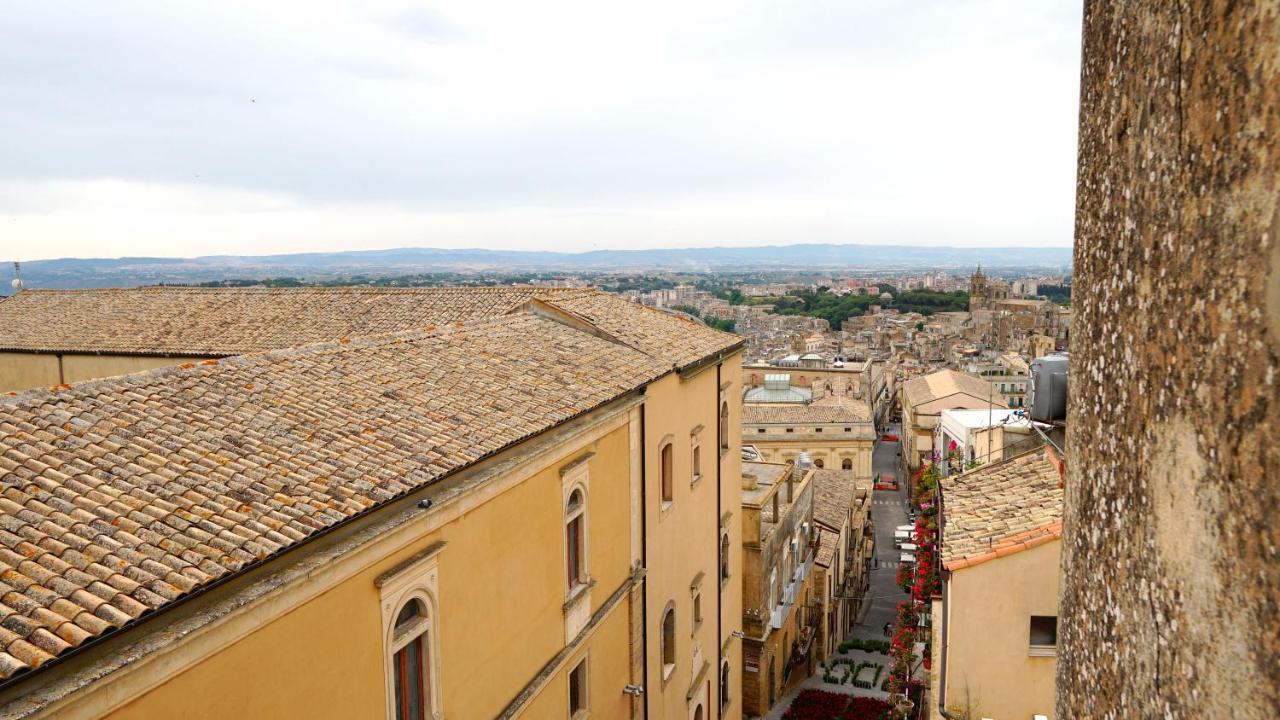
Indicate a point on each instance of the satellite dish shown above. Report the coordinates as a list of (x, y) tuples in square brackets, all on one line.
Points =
[(16, 283)]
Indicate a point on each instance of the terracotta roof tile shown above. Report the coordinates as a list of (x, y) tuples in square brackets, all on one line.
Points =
[(120, 496), (943, 383), (851, 411), (835, 493), (233, 321), (999, 509)]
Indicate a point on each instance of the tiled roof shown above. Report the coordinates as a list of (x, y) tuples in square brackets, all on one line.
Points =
[(781, 413), (1001, 509), (943, 383), (682, 341), (834, 495), (231, 321), (120, 496), (219, 322), (827, 541)]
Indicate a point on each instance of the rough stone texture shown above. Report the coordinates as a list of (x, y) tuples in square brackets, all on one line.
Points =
[(1172, 573)]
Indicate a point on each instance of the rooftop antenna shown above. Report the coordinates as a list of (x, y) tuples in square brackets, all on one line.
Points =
[(17, 275)]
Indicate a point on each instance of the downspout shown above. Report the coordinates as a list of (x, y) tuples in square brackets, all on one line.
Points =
[(644, 560), (719, 585), (945, 576), (942, 652)]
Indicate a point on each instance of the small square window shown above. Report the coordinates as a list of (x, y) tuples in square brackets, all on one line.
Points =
[(791, 429), (578, 690), (848, 429), (760, 430), (1044, 631), (817, 429)]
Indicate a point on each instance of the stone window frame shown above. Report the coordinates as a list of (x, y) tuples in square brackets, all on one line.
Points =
[(575, 476), (417, 580), (668, 645)]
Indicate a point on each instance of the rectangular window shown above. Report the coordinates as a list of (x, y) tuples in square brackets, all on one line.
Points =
[(668, 486), (696, 460), (1043, 634), (791, 429), (817, 429), (760, 430), (578, 689), (411, 700), (573, 539)]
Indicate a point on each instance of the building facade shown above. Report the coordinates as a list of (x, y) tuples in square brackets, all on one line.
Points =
[(923, 400), (838, 435), (524, 514), (846, 548), (996, 622), (782, 613)]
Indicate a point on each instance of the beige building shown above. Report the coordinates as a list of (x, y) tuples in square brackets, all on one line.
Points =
[(520, 506), (871, 381), (925, 397), (836, 435), (995, 627), (782, 613), (846, 546)]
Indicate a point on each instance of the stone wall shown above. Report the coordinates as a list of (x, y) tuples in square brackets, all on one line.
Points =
[(1171, 558)]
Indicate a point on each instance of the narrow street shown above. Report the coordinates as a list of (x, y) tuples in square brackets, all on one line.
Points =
[(888, 510)]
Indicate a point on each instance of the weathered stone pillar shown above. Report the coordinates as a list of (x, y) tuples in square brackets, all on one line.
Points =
[(1171, 554)]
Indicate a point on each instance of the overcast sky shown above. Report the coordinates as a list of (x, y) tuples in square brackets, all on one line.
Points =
[(131, 128)]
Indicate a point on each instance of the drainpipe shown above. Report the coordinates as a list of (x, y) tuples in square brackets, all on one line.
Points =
[(644, 560), (720, 431), (942, 654)]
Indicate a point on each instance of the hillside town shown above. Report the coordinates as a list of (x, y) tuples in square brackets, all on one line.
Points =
[(673, 444), (737, 533)]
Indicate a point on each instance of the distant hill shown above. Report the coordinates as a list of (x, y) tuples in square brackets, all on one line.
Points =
[(131, 271)]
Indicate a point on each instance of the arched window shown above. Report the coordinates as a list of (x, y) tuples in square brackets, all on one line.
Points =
[(669, 640), (818, 463), (575, 539), (724, 686), (846, 464), (724, 426), (668, 472), (724, 558), (697, 713), (410, 662)]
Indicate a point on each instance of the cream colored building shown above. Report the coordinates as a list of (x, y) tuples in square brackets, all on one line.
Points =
[(838, 434), (925, 397), (782, 612), (846, 546), (995, 627), (518, 505)]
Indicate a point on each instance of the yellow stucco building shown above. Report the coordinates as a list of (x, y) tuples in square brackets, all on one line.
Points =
[(923, 400), (782, 614), (517, 503), (995, 626), (836, 434)]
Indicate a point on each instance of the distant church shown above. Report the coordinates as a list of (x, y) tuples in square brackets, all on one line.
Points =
[(983, 293)]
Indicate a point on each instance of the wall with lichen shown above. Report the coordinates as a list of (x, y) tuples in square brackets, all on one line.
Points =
[(1171, 554)]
